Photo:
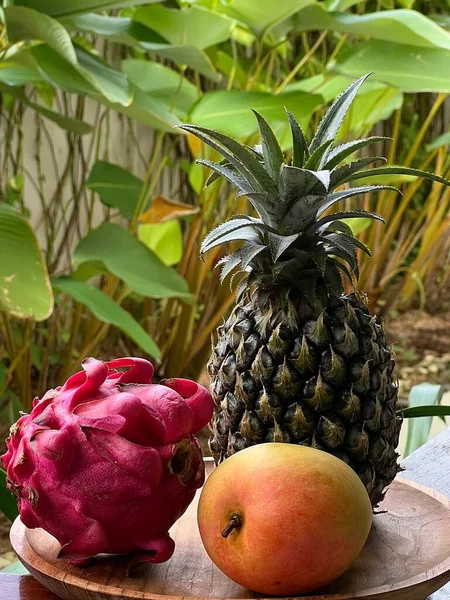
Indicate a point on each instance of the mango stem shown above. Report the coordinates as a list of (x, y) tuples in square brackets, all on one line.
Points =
[(234, 522)]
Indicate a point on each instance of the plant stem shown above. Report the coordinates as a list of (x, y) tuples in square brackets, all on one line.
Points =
[(76, 320), (423, 130), (9, 338), (301, 63), (26, 378), (43, 374), (234, 523), (147, 188)]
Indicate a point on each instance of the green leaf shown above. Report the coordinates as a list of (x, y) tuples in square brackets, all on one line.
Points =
[(64, 122), (18, 76), (399, 26), (59, 72), (148, 111), (130, 260), (261, 15), (24, 285), (408, 68), (242, 158), (88, 270), (165, 239), (441, 19), (428, 410), (420, 398), (118, 29), (273, 156), (345, 216), (248, 234), (318, 156), (340, 4), (63, 8), (188, 56), (341, 152), (229, 263), (230, 66), (336, 197), (375, 101), (232, 224), (279, 243), (162, 83), (299, 143), (106, 310), (376, 104), (394, 170), (8, 505), (230, 111), (112, 84), (441, 140), (192, 26), (347, 171), (116, 187), (358, 225), (332, 121), (28, 24)]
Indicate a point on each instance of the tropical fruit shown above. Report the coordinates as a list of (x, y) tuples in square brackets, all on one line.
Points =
[(298, 360), (108, 462), (283, 519)]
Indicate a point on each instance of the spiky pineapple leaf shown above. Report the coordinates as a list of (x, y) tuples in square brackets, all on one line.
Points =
[(220, 238), (335, 197), (335, 226), (249, 251), (401, 171), (244, 160), (351, 214), (341, 175), (333, 279), (340, 265), (246, 233), (238, 160), (298, 183), (316, 157), (273, 155), (301, 214), (261, 202), (225, 171), (358, 243), (299, 144), (332, 121), (215, 174), (223, 229), (343, 249), (279, 243), (345, 256), (230, 262), (319, 257), (338, 154)]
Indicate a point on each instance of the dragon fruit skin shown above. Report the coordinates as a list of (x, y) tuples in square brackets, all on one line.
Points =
[(108, 462)]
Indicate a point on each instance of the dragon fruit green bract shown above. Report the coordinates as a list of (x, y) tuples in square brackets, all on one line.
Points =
[(108, 462)]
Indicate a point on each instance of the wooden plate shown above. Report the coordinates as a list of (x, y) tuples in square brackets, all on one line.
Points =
[(407, 557)]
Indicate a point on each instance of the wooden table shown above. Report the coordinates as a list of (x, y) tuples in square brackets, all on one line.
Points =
[(430, 465)]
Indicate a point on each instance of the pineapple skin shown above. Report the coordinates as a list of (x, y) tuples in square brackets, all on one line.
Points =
[(321, 377)]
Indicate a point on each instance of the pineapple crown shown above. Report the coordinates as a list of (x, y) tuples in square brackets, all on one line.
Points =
[(295, 242)]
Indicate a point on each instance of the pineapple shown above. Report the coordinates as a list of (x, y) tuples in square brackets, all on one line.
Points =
[(298, 360)]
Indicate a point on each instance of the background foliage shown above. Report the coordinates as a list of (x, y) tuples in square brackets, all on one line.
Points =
[(105, 259)]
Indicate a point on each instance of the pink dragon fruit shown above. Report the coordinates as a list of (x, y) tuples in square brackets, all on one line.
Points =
[(107, 462)]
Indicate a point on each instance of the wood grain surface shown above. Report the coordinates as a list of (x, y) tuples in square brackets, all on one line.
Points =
[(395, 538)]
